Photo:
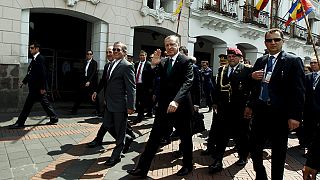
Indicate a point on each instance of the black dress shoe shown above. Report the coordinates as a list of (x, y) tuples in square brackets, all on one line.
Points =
[(137, 172), (241, 162), (112, 161), (127, 144), (16, 126), (149, 115), (206, 152), (177, 154), (184, 171), (165, 142), (216, 166), (137, 120), (94, 143), (52, 121)]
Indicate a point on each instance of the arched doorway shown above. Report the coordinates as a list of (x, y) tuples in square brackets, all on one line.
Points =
[(64, 40)]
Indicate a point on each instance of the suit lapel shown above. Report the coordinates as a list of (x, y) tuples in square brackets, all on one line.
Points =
[(116, 68)]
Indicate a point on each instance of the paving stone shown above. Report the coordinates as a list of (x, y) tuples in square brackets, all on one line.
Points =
[(41, 159), (5, 165), (32, 141), (20, 162), (18, 155), (2, 150), (13, 149), (24, 171), (37, 152), (5, 174), (34, 146), (51, 144)]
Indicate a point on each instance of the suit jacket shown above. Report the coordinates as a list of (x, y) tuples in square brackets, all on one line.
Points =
[(313, 159), (286, 86), (92, 73), (312, 103), (103, 81), (239, 82), (147, 74), (207, 80), (121, 88), (196, 85), (176, 85), (36, 77)]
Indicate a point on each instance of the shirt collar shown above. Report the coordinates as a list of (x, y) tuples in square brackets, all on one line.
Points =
[(275, 55), (234, 67), (35, 56), (174, 57)]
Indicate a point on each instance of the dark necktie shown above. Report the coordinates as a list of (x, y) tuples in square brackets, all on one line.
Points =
[(269, 64), (264, 85), (109, 70), (169, 66), (231, 72), (314, 79)]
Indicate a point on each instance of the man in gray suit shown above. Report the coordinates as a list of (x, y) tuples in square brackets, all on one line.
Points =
[(120, 99)]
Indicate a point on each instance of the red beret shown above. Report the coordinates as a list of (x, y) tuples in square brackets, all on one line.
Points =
[(234, 51)]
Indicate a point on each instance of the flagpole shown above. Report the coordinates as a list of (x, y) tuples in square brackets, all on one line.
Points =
[(309, 32), (179, 16)]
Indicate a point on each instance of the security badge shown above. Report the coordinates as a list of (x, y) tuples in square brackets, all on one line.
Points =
[(268, 77)]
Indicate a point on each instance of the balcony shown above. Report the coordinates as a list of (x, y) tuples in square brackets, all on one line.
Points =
[(224, 14), (315, 39), (248, 12), (225, 8)]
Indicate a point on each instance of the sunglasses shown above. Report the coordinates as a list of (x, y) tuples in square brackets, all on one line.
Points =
[(116, 50), (109, 52), (274, 39)]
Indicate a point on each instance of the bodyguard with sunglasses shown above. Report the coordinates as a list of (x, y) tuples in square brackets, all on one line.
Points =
[(276, 101), (88, 84), (37, 81)]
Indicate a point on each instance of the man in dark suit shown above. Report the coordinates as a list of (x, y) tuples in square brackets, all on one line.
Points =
[(207, 84), (276, 100), (102, 130), (311, 121), (230, 98), (36, 79), (144, 84), (88, 83), (120, 92), (174, 106), (311, 114), (312, 165)]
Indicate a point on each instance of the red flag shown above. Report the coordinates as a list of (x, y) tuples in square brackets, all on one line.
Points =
[(260, 6)]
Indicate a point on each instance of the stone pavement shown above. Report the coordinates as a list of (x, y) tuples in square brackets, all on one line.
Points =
[(59, 152)]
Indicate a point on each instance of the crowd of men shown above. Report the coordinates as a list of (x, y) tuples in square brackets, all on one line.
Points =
[(267, 101)]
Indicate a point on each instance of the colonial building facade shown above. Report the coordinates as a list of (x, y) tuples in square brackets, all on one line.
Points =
[(67, 28)]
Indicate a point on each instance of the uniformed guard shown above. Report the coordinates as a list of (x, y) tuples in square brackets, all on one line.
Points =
[(229, 102)]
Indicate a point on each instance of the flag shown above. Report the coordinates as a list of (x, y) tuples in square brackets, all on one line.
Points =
[(296, 11), (260, 6), (179, 8)]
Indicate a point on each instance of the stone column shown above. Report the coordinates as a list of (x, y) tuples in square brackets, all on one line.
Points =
[(99, 43), (190, 45)]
